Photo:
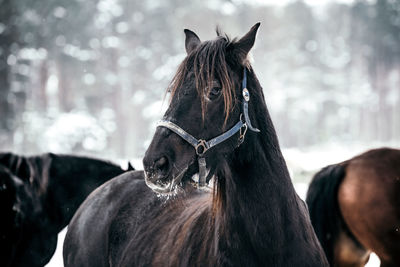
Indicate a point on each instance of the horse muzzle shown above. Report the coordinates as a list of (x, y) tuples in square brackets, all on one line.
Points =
[(160, 176), (163, 184)]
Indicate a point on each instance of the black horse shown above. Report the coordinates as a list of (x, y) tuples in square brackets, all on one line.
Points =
[(38, 196), (251, 217), (355, 208)]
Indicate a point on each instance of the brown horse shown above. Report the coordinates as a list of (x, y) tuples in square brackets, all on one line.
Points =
[(355, 208), (251, 217)]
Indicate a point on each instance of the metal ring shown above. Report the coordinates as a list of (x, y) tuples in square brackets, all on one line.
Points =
[(202, 144), (246, 94)]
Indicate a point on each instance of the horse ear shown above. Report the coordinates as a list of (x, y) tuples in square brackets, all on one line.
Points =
[(192, 41), (243, 46), (130, 167)]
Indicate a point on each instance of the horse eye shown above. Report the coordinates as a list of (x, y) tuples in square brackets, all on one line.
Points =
[(215, 91)]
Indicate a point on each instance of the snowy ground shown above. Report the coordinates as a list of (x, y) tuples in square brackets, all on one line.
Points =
[(302, 165)]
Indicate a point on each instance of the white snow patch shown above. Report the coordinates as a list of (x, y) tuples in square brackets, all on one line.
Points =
[(57, 259)]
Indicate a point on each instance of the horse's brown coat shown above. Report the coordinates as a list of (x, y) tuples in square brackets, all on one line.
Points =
[(369, 201)]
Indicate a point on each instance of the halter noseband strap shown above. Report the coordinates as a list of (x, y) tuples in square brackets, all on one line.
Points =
[(201, 146)]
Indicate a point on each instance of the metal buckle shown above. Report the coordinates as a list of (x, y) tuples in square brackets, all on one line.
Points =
[(242, 133), (202, 144)]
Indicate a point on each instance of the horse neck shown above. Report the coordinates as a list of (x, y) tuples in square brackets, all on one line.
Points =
[(259, 198)]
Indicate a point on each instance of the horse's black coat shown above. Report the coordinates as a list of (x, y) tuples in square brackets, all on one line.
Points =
[(39, 195), (252, 218)]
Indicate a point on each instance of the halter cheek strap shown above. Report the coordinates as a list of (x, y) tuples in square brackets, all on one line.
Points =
[(201, 146), (246, 98)]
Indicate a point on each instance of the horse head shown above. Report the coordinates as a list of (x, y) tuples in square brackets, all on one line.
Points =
[(208, 115)]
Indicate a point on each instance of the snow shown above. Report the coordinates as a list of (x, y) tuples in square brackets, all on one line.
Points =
[(57, 259)]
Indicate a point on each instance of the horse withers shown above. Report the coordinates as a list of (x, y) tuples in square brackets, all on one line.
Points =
[(355, 208), (39, 195), (217, 125)]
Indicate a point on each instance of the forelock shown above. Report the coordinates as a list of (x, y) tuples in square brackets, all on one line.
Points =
[(208, 62)]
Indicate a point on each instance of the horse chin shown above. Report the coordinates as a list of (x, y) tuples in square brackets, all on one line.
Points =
[(165, 185)]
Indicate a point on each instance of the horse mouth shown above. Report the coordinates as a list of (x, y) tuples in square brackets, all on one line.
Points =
[(163, 185)]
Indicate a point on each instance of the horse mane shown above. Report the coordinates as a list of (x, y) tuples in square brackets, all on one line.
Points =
[(26, 166), (85, 159), (207, 63), (261, 151), (33, 170)]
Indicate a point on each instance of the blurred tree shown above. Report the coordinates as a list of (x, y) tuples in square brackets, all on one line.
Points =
[(9, 44), (376, 30), (331, 73)]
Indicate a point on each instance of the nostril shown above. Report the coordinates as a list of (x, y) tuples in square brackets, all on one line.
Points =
[(162, 164)]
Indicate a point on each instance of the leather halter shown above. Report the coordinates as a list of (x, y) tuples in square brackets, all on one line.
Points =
[(201, 146)]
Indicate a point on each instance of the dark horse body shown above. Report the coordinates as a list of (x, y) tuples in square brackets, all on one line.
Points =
[(39, 195), (355, 208), (251, 217)]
